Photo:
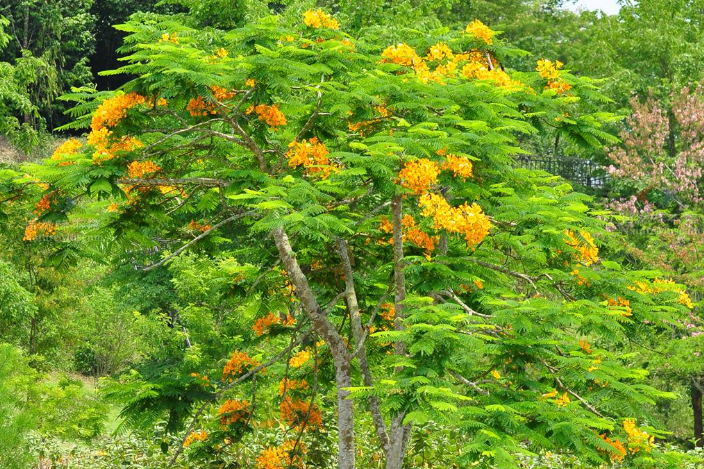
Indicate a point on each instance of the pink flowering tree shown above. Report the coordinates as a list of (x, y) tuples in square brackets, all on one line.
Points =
[(658, 170)]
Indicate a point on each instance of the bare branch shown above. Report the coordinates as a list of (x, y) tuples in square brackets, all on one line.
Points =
[(195, 240), (469, 383), (208, 182)]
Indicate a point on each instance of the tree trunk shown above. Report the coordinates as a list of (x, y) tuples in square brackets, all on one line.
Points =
[(697, 411), (341, 356), (357, 333), (398, 441), (399, 433)]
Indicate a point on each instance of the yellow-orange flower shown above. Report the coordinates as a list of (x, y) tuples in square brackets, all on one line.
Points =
[(620, 450), (38, 228), (299, 414), (300, 359), (195, 436), (139, 169), (112, 110), (637, 439), (312, 155), (401, 54), (69, 148), (238, 362), (289, 385), (586, 346), (551, 72), (459, 165), (233, 411), (467, 220), (269, 114), (419, 175), (563, 400), (586, 251), (319, 19), (167, 37), (439, 51), (480, 31), (623, 304), (262, 325)]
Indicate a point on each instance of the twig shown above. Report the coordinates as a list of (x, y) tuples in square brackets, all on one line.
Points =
[(195, 240)]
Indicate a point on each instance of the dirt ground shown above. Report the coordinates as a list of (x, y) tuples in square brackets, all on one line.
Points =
[(9, 154)]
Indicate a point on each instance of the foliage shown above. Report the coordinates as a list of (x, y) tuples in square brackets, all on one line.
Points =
[(308, 167)]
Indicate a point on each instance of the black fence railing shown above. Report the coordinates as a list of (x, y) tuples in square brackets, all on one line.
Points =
[(580, 171)]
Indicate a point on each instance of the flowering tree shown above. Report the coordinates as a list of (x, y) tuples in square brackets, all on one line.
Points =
[(659, 165), (369, 260)]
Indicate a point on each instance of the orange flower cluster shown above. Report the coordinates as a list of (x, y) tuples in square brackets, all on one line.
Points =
[(195, 436), (171, 189), (67, 149), (200, 107), (44, 204), (166, 37), (269, 114), (480, 31), (114, 109), (289, 385), (438, 52), (319, 19), (419, 175), (401, 54), (459, 165), (139, 169), (194, 225), (637, 439), (105, 150), (477, 65), (388, 312), (411, 233), (480, 71), (288, 456), (418, 237), (549, 395), (38, 228), (586, 346), (595, 364), (299, 414), (238, 362), (581, 281), (233, 411), (300, 359), (108, 114), (661, 285), (312, 155), (467, 220), (587, 252), (204, 378), (262, 325), (563, 400), (620, 452), (551, 72), (623, 304)]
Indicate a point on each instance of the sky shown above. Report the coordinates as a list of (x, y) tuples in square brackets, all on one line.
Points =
[(610, 7)]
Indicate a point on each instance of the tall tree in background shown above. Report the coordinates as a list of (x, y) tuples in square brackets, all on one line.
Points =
[(57, 36)]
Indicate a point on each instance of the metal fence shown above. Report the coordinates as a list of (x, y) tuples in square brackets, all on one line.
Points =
[(580, 171)]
